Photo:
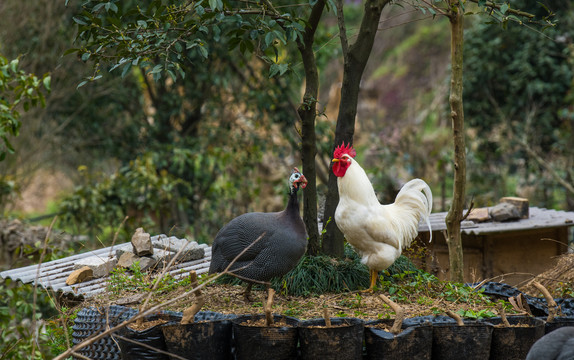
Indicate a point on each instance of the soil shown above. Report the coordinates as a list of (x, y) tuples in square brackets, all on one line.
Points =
[(146, 324), (228, 299), (262, 323)]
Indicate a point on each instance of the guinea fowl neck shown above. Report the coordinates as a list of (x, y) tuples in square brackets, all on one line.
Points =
[(293, 204)]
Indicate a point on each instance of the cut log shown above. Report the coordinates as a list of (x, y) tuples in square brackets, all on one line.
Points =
[(520, 203)]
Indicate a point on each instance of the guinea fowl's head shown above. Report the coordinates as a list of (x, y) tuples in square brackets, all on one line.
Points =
[(297, 180), (342, 159)]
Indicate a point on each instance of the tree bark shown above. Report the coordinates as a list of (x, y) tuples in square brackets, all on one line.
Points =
[(307, 112), (455, 213), (355, 60)]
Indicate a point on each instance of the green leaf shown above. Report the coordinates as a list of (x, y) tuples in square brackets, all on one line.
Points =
[(79, 21), (47, 80), (269, 38), (203, 51), (504, 8)]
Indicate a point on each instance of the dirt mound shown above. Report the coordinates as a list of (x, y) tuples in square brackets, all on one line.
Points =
[(557, 280), (20, 242)]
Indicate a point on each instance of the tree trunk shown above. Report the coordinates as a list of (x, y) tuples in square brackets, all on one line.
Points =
[(308, 112), (454, 216), (355, 60)]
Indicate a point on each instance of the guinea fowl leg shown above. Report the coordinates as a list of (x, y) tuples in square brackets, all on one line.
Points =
[(247, 292)]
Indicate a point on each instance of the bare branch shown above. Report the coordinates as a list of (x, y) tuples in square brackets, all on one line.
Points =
[(399, 314)]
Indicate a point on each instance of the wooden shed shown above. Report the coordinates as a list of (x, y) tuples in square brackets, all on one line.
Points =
[(511, 252)]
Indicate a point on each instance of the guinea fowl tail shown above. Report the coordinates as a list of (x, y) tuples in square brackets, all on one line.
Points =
[(416, 194)]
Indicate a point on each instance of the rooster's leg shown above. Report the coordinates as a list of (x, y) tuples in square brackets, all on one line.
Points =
[(374, 275)]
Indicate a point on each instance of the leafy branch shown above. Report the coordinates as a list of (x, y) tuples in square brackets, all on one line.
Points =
[(18, 89)]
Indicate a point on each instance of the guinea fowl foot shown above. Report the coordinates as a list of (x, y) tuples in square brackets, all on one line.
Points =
[(247, 293)]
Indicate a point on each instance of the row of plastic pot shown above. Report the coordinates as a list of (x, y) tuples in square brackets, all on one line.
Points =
[(217, 336)]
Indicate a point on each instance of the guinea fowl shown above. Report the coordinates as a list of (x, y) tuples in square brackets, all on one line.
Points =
[(556, 345), (260, 246)]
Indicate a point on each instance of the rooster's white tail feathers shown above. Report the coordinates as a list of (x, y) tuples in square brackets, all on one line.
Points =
[(417, 194)]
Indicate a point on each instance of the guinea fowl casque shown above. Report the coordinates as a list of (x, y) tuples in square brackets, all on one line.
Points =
[(260, 246), (377, 232)]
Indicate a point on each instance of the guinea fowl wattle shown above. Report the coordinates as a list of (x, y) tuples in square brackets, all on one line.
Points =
[(260, 246)]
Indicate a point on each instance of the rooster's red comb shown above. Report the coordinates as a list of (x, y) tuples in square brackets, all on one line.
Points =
[(344, 149)]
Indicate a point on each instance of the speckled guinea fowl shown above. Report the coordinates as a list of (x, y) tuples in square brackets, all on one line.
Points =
[(283, 241)]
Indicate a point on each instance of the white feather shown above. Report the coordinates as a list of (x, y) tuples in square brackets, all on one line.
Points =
[(379, 232)]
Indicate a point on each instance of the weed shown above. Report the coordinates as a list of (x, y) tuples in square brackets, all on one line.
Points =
[(471, 314)]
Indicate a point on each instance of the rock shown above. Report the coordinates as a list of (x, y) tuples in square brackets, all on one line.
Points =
[(133, 299), (127, 260), (141, 242), (479, 215), (162, 257), (80, 275), (191, 249), (101, 266), (504, 212), (123, 248)]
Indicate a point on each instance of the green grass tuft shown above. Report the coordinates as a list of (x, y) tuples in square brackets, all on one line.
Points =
[(315, 275)]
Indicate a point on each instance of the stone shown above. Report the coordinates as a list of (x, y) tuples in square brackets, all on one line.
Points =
[(479, 215), (100, 265), (127, 260), (504, 212), (123, 248), (141, 242), (82, 274), (191, 249), (162, 257)]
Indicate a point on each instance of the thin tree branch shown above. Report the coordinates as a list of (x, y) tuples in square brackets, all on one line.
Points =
[(342, 29)]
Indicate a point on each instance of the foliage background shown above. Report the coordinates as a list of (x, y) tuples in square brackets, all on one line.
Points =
[(183, 155)]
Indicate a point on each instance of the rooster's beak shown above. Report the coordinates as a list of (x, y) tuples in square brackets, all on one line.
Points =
[(335, 160)]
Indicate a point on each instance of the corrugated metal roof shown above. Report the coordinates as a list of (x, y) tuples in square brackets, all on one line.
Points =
[(539, 218), (52, 275)]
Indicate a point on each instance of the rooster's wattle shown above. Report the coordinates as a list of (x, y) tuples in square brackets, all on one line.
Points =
[(377, 232)]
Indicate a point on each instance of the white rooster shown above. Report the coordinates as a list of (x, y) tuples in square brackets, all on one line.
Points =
[(377, 232)]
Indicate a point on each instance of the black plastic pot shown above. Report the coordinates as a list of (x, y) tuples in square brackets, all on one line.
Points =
[(265, 342), (513, 343), (413, 342), (148, 344), (342, 341), (557, 323), (209, 337), (453, 342), (92, 321)]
